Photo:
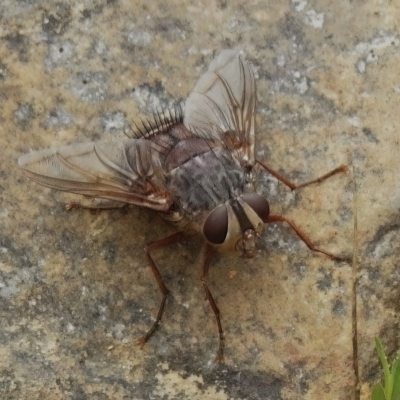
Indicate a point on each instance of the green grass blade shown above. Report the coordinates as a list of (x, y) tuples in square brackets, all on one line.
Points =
[(396, 379), (385, 365), (378, 393)]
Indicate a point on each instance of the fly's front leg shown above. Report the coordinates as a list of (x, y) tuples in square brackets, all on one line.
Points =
[(159, 244), (304, 237), (341, 169), (209, 252)]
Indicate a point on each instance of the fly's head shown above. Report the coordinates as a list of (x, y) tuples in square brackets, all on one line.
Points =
[(237, 224)]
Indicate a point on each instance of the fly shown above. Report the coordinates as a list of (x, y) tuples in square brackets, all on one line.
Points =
[(193, 166)]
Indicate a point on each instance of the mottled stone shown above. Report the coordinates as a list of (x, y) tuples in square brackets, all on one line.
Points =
[(75, 289)]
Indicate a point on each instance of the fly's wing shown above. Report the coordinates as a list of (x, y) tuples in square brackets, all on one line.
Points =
[(222, 105), (125, 171)]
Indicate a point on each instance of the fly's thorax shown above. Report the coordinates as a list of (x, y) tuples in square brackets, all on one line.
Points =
[(206, 180), (236, 224)]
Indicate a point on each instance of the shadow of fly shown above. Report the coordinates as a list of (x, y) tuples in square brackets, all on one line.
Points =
[(194, 166)]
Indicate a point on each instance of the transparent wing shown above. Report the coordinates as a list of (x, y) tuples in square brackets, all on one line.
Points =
[(122, 171), (222, 105)]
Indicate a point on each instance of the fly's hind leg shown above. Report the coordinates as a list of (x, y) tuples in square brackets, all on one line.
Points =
[(209, 251), (341, 169), (159, 244)]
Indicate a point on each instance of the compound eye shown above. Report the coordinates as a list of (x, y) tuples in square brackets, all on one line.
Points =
[(216, 225), (258, 203)]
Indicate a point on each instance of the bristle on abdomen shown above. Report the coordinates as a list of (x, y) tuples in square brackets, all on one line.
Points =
[(160, 122)]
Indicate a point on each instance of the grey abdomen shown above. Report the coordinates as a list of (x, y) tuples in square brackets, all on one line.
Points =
[(206, 180)]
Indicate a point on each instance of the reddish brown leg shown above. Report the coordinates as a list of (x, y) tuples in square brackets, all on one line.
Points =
[(304, 237), (341, 169), (209, 252), (176, 237)]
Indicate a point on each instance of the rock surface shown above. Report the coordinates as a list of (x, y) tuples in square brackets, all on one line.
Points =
[(75, 290)]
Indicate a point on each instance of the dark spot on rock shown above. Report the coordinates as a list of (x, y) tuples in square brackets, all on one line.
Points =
[(10, 382), (137, 315), (72, 246), (290, 27), (56, 19), (50, 23), (303, 375), (374, 274), (109, 252), (78, 393), (392, 300), (16, 42), (3, 72), (172, 29), (358, 155), (370, 136), (338, 307), (59, 117), (345, 213), (19, 257), (20, 44), (86, 14), (300, 269), (385, 242), (248, 384), (326, 282)]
